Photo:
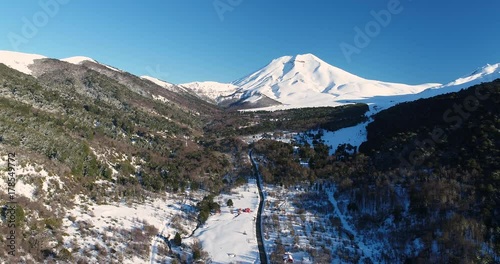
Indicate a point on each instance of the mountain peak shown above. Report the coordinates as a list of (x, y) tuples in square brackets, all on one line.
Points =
[(306, 57), (296, 75), (78, 60), (298, 57)]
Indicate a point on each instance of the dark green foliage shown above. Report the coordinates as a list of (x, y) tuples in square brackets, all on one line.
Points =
[(248, 123), (71, 109), (446, 151), (64, 255), (177, 240), (229, 203), (206, 206), (444, 158), (284, 168)]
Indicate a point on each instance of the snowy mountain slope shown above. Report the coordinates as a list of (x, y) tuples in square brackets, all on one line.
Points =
[(159, 82), (19, 61), (294, 91), (22, 61), (486, 73), (211, 90), (304, 81), (77, 60), (169, 86), (289, 82)]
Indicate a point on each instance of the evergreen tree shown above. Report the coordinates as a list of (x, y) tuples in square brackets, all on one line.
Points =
[(177, 239)]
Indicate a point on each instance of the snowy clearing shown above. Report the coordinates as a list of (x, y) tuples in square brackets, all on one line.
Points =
[(231, 236)]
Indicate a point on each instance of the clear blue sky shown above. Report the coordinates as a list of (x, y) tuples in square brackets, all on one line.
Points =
[(186, 40)]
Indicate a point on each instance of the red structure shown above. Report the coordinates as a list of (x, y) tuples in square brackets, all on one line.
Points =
[(287, 257)]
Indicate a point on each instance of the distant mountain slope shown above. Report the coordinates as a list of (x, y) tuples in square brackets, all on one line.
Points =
[(307, 81), (303, 81), (286, 82), (39, 66), (487, 73), (212, 91), (291, 79)]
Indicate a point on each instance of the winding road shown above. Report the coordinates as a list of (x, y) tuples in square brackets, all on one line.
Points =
[(260, 239)]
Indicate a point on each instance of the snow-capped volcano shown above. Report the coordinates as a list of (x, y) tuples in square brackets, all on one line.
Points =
[(306, 79), (303, 81), (290, 74)]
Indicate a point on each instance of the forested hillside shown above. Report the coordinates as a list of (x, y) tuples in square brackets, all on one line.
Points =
[(89, 128), (231, 123), (429, 175)]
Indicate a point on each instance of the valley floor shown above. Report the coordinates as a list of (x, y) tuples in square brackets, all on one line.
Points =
[(230, 236)]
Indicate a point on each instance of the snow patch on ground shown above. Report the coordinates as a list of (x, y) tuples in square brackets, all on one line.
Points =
[(160, 98), (102, 218), (24, 174), (158, 82), (230, 237), (19, 61), (354, 135)]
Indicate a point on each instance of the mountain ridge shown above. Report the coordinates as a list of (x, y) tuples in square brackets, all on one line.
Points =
[(293, 83), (297, 81)]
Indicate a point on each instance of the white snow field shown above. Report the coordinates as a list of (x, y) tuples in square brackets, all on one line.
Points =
[(307, 81), (164, 84), (19, 61), (230, 237), (78, 60), (211, 90)]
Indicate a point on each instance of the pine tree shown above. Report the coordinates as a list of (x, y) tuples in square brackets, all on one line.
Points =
[(177, 239)]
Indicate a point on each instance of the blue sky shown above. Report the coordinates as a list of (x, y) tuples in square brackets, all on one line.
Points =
[(186, 40)]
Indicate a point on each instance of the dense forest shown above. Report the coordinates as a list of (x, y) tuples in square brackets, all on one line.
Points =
[(233, 123), (432, 165)]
